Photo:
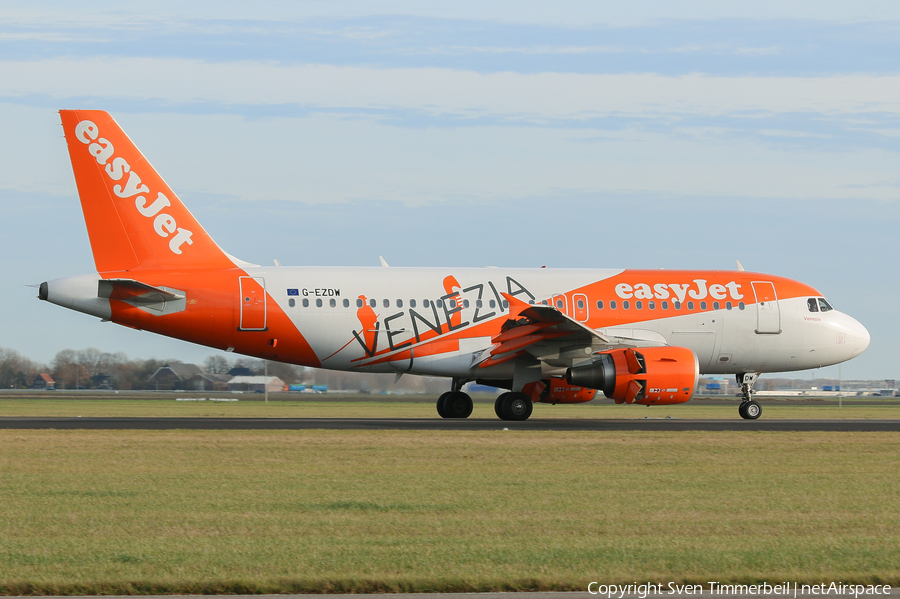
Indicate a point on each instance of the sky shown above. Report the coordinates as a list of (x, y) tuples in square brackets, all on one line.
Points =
[(519, 134)]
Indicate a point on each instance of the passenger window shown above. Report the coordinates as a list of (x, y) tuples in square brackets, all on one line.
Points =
[(306, 303), (824, 306), (399, 303), (478, 304), (318, 303), (545, 302), (703, 305), (492, 304), (359, 303), (440, 303), (412, 303), (690, 305), (639, 305), (677, 305), (465, 303), (715, 305), (292, 303), (651, 305), (581, 304), (386, 303), (612, 305), (625, 305), (665, 305), (505, 304), (741, 305), (599, 304), (728, 305), (346, 303), (373, 303), (812, 304), (424, 303), (452, 303), (332, 303)]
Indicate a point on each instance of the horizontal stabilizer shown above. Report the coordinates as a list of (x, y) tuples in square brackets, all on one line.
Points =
[(156, 300)]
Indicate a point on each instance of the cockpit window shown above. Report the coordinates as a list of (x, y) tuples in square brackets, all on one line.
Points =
[(812, 304), (824, 306)]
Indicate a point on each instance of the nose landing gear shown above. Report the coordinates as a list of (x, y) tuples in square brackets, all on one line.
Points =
[(749, 409)]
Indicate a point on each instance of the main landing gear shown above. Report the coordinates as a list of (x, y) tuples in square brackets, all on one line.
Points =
[(509, 406), (513, 406), (749, 409), (455, 403)]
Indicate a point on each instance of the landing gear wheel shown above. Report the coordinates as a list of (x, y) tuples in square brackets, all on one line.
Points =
[(457, 405), (498, 405), (442, 412), (515, 406), (751, 410)]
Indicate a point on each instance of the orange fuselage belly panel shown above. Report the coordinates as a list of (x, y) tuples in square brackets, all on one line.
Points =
[(212, 317)]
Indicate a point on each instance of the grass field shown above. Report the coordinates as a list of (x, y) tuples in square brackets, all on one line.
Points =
[(347, 406), (260, 511)]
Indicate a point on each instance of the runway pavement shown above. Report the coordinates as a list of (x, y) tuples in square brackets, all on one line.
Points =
[(439, 424)]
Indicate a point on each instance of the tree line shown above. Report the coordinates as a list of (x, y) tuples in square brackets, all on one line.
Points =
[(92, 368)]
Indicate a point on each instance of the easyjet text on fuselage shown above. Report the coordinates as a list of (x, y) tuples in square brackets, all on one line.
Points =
[(698, 289)]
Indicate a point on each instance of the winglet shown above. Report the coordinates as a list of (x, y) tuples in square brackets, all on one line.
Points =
[(133, 218)]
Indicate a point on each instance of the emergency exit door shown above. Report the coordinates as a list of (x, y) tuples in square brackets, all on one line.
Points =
[(253, 304)]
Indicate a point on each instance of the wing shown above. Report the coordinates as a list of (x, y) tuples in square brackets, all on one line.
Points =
[(557, 339)]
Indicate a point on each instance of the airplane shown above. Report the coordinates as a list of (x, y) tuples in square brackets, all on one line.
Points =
[(544, 335)]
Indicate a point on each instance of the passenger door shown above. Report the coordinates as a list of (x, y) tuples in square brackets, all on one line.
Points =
[(768, 313)]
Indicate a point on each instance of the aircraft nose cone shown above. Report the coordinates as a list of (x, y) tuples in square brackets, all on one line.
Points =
[(857, 336), (862, 340)]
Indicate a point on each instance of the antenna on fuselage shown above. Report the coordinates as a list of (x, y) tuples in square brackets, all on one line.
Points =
[(739, 265), (383, 262)]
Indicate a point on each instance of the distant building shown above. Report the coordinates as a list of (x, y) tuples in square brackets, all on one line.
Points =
[(257, 384), (101, 381), (187, 377), (44, 381), (716, 385)]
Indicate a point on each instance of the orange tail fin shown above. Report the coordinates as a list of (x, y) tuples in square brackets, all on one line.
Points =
[(133, 218)]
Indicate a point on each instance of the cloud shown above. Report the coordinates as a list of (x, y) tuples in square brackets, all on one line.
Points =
[(404, 39), (463, 94)]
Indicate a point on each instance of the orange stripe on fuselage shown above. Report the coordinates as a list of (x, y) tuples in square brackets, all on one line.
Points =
[(675, 285)]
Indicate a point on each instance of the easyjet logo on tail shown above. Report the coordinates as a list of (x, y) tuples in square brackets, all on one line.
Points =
[(698, 290), (116, 168)]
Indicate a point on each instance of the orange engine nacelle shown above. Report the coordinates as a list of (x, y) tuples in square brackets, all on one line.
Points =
[(650, 376), (557, 391)]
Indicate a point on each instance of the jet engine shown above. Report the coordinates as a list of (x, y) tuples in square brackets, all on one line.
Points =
[(651, 376), (556, 391)]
